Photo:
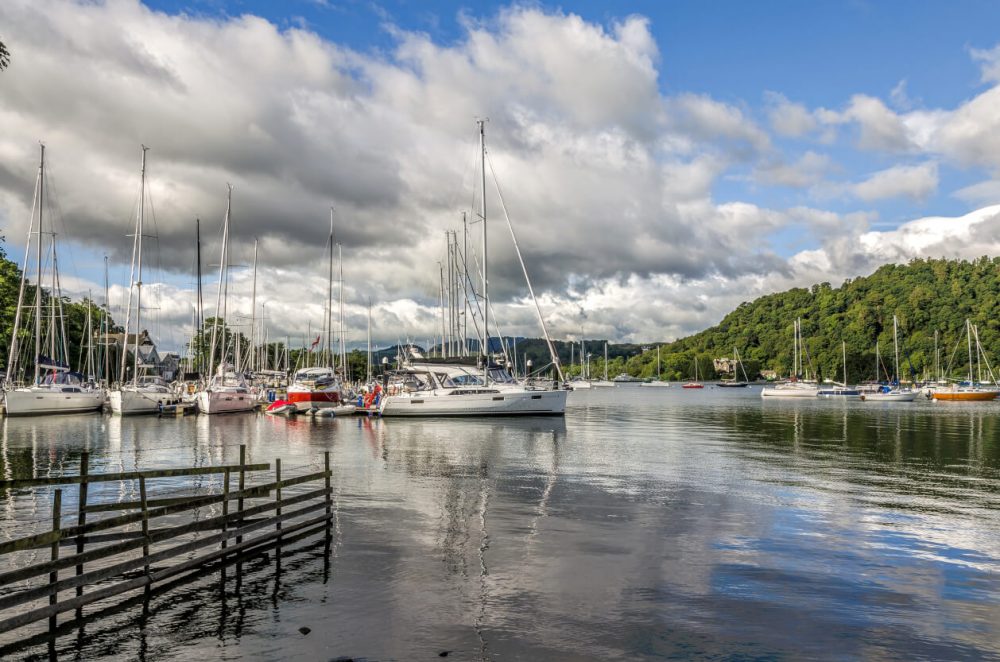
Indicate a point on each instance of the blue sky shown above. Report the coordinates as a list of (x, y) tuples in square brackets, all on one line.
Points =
[(663, 161), (815, 53)]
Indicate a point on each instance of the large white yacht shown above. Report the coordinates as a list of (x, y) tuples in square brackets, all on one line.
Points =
[(145, 395), (453, 389), (226, 392), (57, 392)]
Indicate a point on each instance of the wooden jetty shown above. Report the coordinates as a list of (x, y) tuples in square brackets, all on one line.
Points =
[(111, 545)]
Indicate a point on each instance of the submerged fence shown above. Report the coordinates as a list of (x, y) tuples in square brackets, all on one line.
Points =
[(111, 545)]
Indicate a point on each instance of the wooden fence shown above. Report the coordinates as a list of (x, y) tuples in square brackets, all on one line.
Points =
[(99, 541)]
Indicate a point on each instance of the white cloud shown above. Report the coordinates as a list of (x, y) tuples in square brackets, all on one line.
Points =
[(879, 128), (789, 119), (914, 182), (809, 169)]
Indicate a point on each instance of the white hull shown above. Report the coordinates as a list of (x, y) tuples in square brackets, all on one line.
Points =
[(892, 396), (42, 401), (224, 402), (602, 384), (498, 403), (788, 392), (655, 384), (128, 401), (577, 385)]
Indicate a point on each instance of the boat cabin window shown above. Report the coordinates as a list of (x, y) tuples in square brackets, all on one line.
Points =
[(466, 380), (444, 379)]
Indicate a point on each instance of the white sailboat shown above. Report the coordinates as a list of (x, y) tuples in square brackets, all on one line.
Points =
[(145, 393), (604, 382), (486, 389), (657, 382), (227, 390), (892, 393), (54, 388), (793, 388), (841, 391)]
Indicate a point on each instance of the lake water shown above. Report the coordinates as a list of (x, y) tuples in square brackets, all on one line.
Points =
[(649, 523)]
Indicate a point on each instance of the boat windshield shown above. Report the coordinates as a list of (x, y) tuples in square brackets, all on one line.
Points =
[(63, 378)]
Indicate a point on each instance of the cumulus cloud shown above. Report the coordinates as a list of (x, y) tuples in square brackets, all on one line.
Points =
[(809, 169), (914, 182), (787, 118)]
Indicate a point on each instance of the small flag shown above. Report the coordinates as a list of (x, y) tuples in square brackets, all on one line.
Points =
[(315, 342)]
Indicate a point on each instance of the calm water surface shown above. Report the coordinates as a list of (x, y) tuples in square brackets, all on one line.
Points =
[(650, 523)]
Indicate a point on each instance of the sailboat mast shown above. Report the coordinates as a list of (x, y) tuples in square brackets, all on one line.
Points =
[(606, 360), (138, 281), (442, 352), (968, 335), (38, 265), (843, 347), (221, 296), (465, 288), (107, 326), (486, 288), (328, 329), (895, 347), (253, 312), (368, 371), (199, 304), (342, 322)]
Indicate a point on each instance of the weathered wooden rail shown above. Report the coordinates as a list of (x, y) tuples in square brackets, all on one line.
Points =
[(232, 535)]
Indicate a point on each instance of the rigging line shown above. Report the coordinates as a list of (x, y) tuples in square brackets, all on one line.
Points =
[(520, 258)]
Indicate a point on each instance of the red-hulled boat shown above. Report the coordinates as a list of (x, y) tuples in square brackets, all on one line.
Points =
[(315, 388)]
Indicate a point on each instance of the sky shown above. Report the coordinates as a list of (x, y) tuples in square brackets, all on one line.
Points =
[(660, 162)]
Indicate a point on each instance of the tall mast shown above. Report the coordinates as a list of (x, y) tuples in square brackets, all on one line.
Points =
[(368, 372), (843, 347), (606, 361), (485, 350), (342, 321), (895, 346), (138, 282), (443, 353), (465, 288), (38, 266), (107, 326), (223, 276), (968, 335), (253, 312), (199, 312), (328, 322)]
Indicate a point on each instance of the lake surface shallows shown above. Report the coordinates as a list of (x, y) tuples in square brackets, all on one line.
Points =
[(650, 523)]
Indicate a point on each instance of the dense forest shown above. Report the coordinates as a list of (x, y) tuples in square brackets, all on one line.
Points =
[(926, 295)]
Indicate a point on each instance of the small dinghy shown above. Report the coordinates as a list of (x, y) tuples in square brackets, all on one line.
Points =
[(281, 408)]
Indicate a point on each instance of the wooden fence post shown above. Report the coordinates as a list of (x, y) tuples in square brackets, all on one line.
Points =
[(326, 467), (54, 575), (145, 524), (277, 493), (225, 506), (81, 518), (239, 502)]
